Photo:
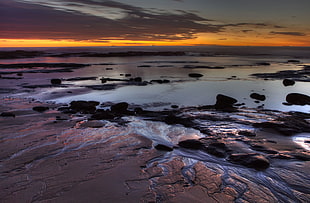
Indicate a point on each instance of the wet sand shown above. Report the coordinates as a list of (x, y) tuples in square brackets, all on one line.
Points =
[(56, 157)]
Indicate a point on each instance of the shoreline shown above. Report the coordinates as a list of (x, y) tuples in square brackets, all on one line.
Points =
[(62, 168)]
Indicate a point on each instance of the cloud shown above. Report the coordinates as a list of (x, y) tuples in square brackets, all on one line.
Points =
[(94, 20), (288, 33)]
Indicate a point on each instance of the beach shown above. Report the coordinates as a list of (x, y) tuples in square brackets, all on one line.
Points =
[(155, 124)]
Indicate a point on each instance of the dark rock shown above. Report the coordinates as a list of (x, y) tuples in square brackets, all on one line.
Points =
[(81, 78), (247, 133), (218, 149), (160, 81), (40, 108), (109, 68), (263, 64), (257, 96), (174, 106), (298, 99), (66, 110), (127, 75), (195, 75), (224, 102), (256, 161), (84, 106), (162, 147), (144, 66), (7, 114), (102, 115), (191, 144), (293, 61), (138, 110), (288, 82), (172, 119), (137, 79), (119, 107), (55, 81)]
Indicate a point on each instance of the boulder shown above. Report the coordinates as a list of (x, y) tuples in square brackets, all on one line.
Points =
[(257, 96), (7, 114), (218, 149), (195, 75), (253, 160), (247, 133), (40, 108), (293, 61), (298, 99), (288, 82), (162, 147), (84, 106), (56, 81), (120, 107), (224, 102), (191, 144)]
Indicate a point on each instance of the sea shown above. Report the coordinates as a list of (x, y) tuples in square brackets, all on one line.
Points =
[(224, 70)]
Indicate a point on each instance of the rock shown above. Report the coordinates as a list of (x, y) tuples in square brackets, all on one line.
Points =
[(7, 114), (162, 147), (261, 148), (224, 102), (293, 61), (218, 149), (247, 133), (174, 106), (160, 81), (40, 108), (298, 99), (288, 82), (256, 161), (84, 106), (257, 96), (55, 81), (120, 107), (191, 144), (102, 115), (263, 64), (195, 75), (137, 79), (127, 75)]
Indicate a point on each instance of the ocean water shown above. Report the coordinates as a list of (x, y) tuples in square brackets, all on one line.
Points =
[(233, 80)]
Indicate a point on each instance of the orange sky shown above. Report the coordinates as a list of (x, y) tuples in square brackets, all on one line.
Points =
[(69, 23)]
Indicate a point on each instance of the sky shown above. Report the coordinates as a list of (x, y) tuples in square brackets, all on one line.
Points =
[(42, 23)]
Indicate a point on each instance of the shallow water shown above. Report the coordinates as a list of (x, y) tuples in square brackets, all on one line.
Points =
[(234, 80)]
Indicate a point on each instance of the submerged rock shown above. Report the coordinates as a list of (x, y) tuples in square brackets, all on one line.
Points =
[(40, 108), (257, 96), (56, 81), (288, 82), (191, 144), (256, 161), (162, 147), (298, 99), (195, 75), (293, 61), (7, 114)]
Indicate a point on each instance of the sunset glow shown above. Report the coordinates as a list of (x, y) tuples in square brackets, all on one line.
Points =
[(34, 23)]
